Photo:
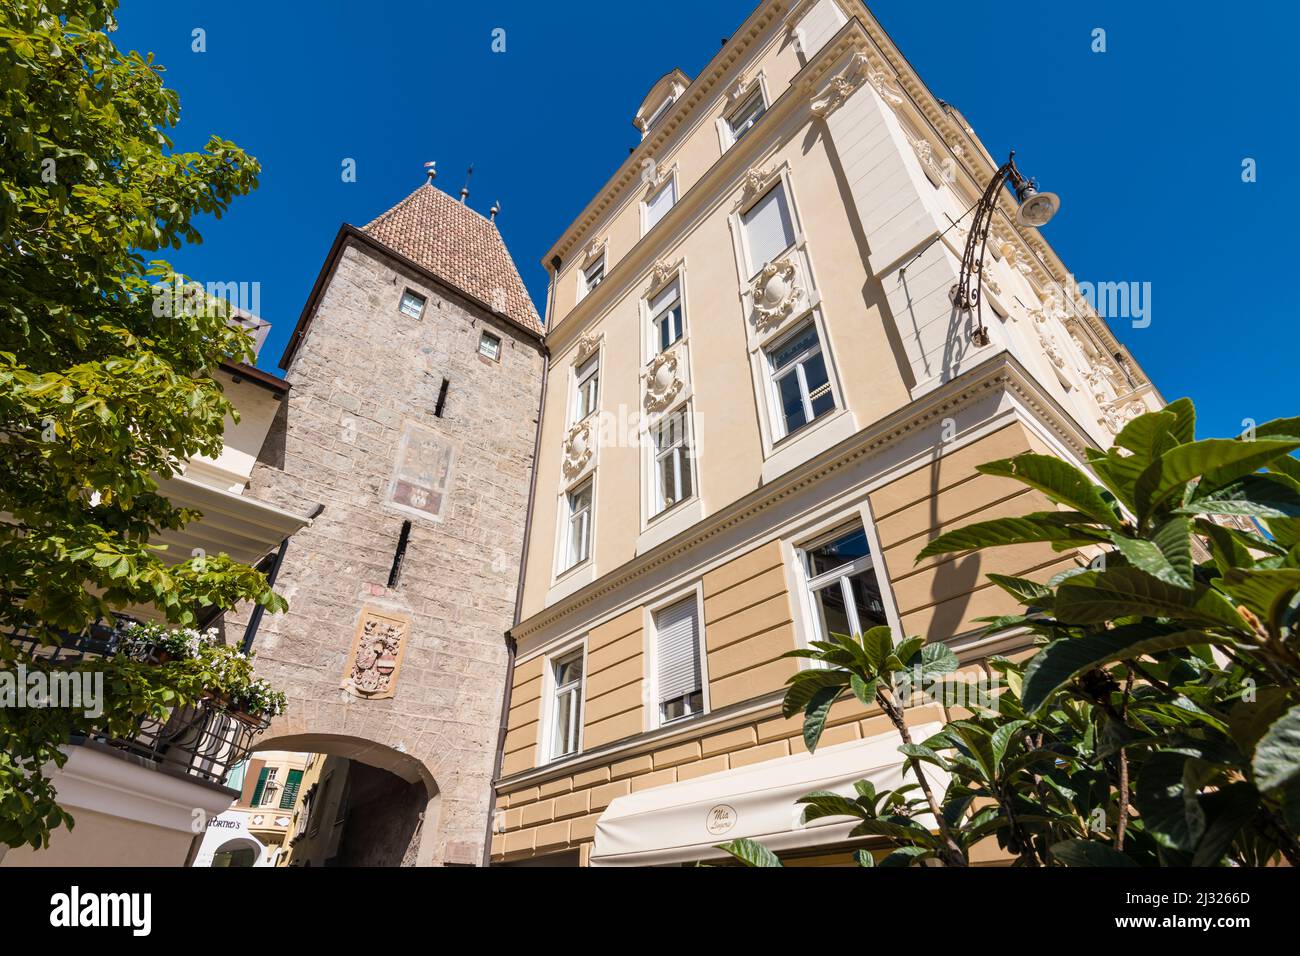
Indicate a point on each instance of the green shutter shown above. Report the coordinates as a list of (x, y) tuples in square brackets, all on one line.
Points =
[(261, 783), (290, 790)]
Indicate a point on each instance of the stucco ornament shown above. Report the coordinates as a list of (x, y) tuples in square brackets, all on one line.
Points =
[(755, 180), (775, 293), (924, 150), (663, 381), (986, 276), (593, 251), (588, 345), (885, 84), (1115, 415), (579, 447), (834, 96), (662, 272), (739, 89)]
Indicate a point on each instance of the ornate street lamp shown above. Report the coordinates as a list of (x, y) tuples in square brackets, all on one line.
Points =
[(1036, 208)]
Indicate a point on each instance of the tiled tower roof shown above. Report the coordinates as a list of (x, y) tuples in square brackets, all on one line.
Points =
[(459, 246)]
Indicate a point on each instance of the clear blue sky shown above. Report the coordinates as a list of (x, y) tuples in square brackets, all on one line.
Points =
[(1144, 142)]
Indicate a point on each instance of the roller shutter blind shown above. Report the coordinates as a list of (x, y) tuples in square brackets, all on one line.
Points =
[(676, 628), (769, 231)]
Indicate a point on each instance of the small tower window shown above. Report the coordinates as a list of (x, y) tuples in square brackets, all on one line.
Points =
[(489, 346), (412, 304)]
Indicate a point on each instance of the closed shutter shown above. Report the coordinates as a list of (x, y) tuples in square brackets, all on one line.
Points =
[(290, 790), (679, 650), (659, 205), (769, 230), (261, 785)]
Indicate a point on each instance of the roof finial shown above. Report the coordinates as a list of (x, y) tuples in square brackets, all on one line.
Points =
[(431, 170), (464, 190), (495, 210)]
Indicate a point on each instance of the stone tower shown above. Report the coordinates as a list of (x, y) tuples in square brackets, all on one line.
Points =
[(415, 372)]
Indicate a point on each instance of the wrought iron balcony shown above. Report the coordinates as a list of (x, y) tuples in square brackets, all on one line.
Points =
[(205, 739)]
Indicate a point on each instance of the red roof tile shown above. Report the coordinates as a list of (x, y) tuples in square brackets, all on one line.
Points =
[(459, 246)]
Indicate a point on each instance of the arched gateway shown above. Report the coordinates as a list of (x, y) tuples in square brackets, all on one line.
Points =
[(408, 428)]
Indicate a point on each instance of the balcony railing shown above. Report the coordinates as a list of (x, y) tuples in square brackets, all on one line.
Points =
[(204, 739)]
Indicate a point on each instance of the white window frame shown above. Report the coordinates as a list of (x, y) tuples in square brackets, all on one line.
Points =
[(270, 788), (759, 92), (781, 182), (660, 111), (586, 374), (683, 454), (585, 286), (567, 563), (829, 527), (547, 738), (654, 316), (401, 303), (669, 182), (651, 650), (484, 336), (780, 430)]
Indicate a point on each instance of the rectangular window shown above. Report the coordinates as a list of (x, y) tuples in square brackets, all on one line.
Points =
[(842, 584), (588, 395), (579, 534), (802, 389), (490, 346), (743, 120), (679, 688), (566, 705), (657, 206), (667, 319), (769, 230), (270, 786), (412, 304), (661, 112), (594, 274), (674, 461)]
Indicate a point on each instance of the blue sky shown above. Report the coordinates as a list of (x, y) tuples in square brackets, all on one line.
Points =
[(1144, 142)]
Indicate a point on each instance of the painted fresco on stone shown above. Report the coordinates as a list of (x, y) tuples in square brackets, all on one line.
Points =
[(422, 478)]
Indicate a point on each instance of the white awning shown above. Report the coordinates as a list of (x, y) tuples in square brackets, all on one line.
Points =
[(242, 527), (683, 822)]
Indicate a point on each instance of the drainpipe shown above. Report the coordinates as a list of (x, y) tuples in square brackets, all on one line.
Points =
[(512, 646)]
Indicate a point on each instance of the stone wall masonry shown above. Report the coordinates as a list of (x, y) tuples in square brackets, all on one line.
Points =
[(364, 373)]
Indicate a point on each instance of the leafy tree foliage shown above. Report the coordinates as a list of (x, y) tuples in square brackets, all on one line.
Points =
[(105, 385), (1158, 721)]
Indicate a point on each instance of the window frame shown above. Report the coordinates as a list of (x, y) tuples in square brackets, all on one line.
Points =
[(682, 448), (486, 335), (567, 548), (673, 285), (669, 182), (759, 94), (782, 183), (401, 303), (585, 286), (585, 373), (653, 708), (547, 742), (797, 548), (780, 427)]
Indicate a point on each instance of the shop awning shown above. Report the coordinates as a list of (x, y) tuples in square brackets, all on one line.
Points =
[(242, 527), (682, 822)]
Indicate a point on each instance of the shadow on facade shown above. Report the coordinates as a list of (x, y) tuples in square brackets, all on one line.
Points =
[(360, 803)]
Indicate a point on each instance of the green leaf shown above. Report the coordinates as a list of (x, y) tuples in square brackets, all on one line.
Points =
[(1218, 460), (750, 853), (1060, 481), (864, 691), (815, 714), (804, 685), (878, 643), (1151, 557), (1277, 755), (1254, 496), (1166, 798), (1063, 530), (1098, 597), (1062, 660), (1266, 592), (904, 856), (1027, 592), (1089, 853)]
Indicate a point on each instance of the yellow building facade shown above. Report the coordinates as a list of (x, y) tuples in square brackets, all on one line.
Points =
[(761, 404)]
